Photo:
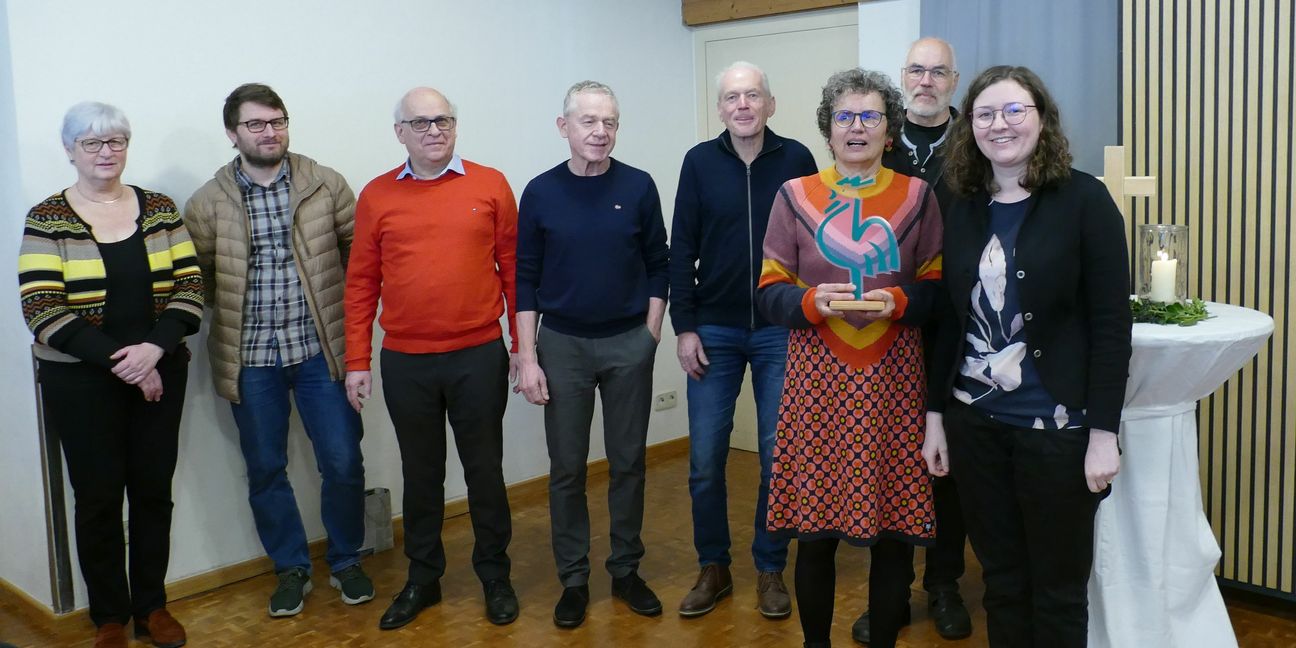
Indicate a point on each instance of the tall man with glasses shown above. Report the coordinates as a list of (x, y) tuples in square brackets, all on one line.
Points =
[(722, 208), (435, 241), (929, 78), (273, 231), (592, 262)]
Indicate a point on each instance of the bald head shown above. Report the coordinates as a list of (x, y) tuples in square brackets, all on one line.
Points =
[(431, 149), (932, 48), (929, 79), (420, 96)]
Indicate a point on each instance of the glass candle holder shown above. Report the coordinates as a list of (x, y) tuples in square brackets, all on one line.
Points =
[(1161, 263)]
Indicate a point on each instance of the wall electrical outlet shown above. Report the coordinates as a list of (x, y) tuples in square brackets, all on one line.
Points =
[(664, 401)]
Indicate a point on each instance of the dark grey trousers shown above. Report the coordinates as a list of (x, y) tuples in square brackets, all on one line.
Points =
[(620, 367)]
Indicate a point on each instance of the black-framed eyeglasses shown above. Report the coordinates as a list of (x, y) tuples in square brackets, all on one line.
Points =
[(422, 124), (938, 73), (116, 144), (868, 118), (1013, 113), (258, 125)]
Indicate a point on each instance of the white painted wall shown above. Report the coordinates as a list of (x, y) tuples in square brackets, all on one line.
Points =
[(887, 28), (24, 561), (340, 66)]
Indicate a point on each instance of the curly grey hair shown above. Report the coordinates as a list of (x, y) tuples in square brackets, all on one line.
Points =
[(861, 81)]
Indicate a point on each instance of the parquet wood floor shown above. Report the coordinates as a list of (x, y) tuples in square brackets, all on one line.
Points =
[(235, 616)]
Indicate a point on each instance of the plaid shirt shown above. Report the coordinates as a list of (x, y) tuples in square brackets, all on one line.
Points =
[(277, 322)]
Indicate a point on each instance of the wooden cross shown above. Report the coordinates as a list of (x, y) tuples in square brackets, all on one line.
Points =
[(1120, 185)]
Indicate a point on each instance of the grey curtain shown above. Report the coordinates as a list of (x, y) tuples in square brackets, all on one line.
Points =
[(1073, 45)]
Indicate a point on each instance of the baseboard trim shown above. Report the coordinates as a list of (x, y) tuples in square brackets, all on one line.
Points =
[(221, 576)]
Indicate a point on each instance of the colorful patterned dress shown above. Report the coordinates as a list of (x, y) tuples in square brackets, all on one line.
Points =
[(847, 456)]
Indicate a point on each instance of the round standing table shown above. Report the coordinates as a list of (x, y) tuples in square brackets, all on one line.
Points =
[(1153, 581)]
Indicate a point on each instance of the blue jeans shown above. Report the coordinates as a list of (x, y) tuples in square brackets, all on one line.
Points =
[(711, 410), (334, 430)]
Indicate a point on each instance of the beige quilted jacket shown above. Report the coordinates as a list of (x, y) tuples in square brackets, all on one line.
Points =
[(323, 209)]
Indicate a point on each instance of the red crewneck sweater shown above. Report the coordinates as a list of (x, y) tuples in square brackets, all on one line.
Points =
[(441, 256)]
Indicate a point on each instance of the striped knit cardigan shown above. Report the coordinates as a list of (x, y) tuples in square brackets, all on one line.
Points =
[(62, 280)]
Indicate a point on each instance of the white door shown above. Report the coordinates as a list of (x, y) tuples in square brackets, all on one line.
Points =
[(798, 53)]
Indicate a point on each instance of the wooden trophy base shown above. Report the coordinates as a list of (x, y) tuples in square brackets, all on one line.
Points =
[(856, 305)]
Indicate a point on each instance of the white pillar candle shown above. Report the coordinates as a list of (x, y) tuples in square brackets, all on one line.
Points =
[(1163, 279)]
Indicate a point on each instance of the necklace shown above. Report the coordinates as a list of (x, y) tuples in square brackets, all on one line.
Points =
[(120, 193)]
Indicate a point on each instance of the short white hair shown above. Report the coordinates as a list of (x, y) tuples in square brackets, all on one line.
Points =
[(742, 65), (94, 118), (587, 86)]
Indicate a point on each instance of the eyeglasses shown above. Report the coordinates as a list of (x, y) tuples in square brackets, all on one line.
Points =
[(258, 125), (116, 144), (868, 118), (1013, 114), (422, 124), (938, 73)]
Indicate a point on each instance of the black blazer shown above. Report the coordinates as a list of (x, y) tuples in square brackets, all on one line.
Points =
[(1073, 278)]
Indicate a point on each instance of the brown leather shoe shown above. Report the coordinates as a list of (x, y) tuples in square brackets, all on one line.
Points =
[(111, 635), (161, 629), (772, 596), (713, 584)]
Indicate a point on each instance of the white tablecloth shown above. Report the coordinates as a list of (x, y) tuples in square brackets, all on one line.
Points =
[(1153, 580)]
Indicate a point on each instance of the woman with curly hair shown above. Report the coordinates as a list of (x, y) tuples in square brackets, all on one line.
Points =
[(1036, 357), (847, 463)]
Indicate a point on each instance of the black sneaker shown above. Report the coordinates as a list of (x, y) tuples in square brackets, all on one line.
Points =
[(290, 595), (501, 602), (354, 584), (570, 611), (634, 591)]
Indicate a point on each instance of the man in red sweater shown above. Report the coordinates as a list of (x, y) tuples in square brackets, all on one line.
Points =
[(435, 240)]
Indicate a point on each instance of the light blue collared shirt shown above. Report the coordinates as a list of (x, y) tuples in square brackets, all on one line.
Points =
[(456, 165)]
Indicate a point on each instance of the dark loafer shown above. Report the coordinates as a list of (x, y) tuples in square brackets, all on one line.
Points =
[(949, 615), (501, 602), (636, 593), (861, 632), (570, 611), (406, 606)]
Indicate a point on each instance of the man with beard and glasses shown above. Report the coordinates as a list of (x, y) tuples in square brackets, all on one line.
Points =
[(273, 232), (929, 78)]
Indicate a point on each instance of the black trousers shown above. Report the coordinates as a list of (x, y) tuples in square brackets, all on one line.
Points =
[(890, 573), (470, 387), (945, 558), (1030, 517), (116, 443)]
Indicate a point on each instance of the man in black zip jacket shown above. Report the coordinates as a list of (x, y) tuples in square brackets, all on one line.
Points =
[(722, 207), (929, 78)]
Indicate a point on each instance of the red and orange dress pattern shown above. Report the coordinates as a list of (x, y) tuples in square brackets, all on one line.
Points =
[(848, 451)]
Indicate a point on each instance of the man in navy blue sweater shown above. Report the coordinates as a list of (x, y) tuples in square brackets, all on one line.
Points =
[(592, 269), (726, 188)]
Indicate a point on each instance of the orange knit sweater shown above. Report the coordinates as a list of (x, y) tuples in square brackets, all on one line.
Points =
[(440, 254)]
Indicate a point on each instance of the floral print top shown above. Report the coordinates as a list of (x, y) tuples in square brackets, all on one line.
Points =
[(998, 376)]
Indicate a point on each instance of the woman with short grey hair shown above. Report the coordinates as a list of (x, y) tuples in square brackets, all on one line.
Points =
[(110, 286)]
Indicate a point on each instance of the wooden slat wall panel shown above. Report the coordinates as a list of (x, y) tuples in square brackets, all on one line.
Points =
[(704, 12), (1206, 106)]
